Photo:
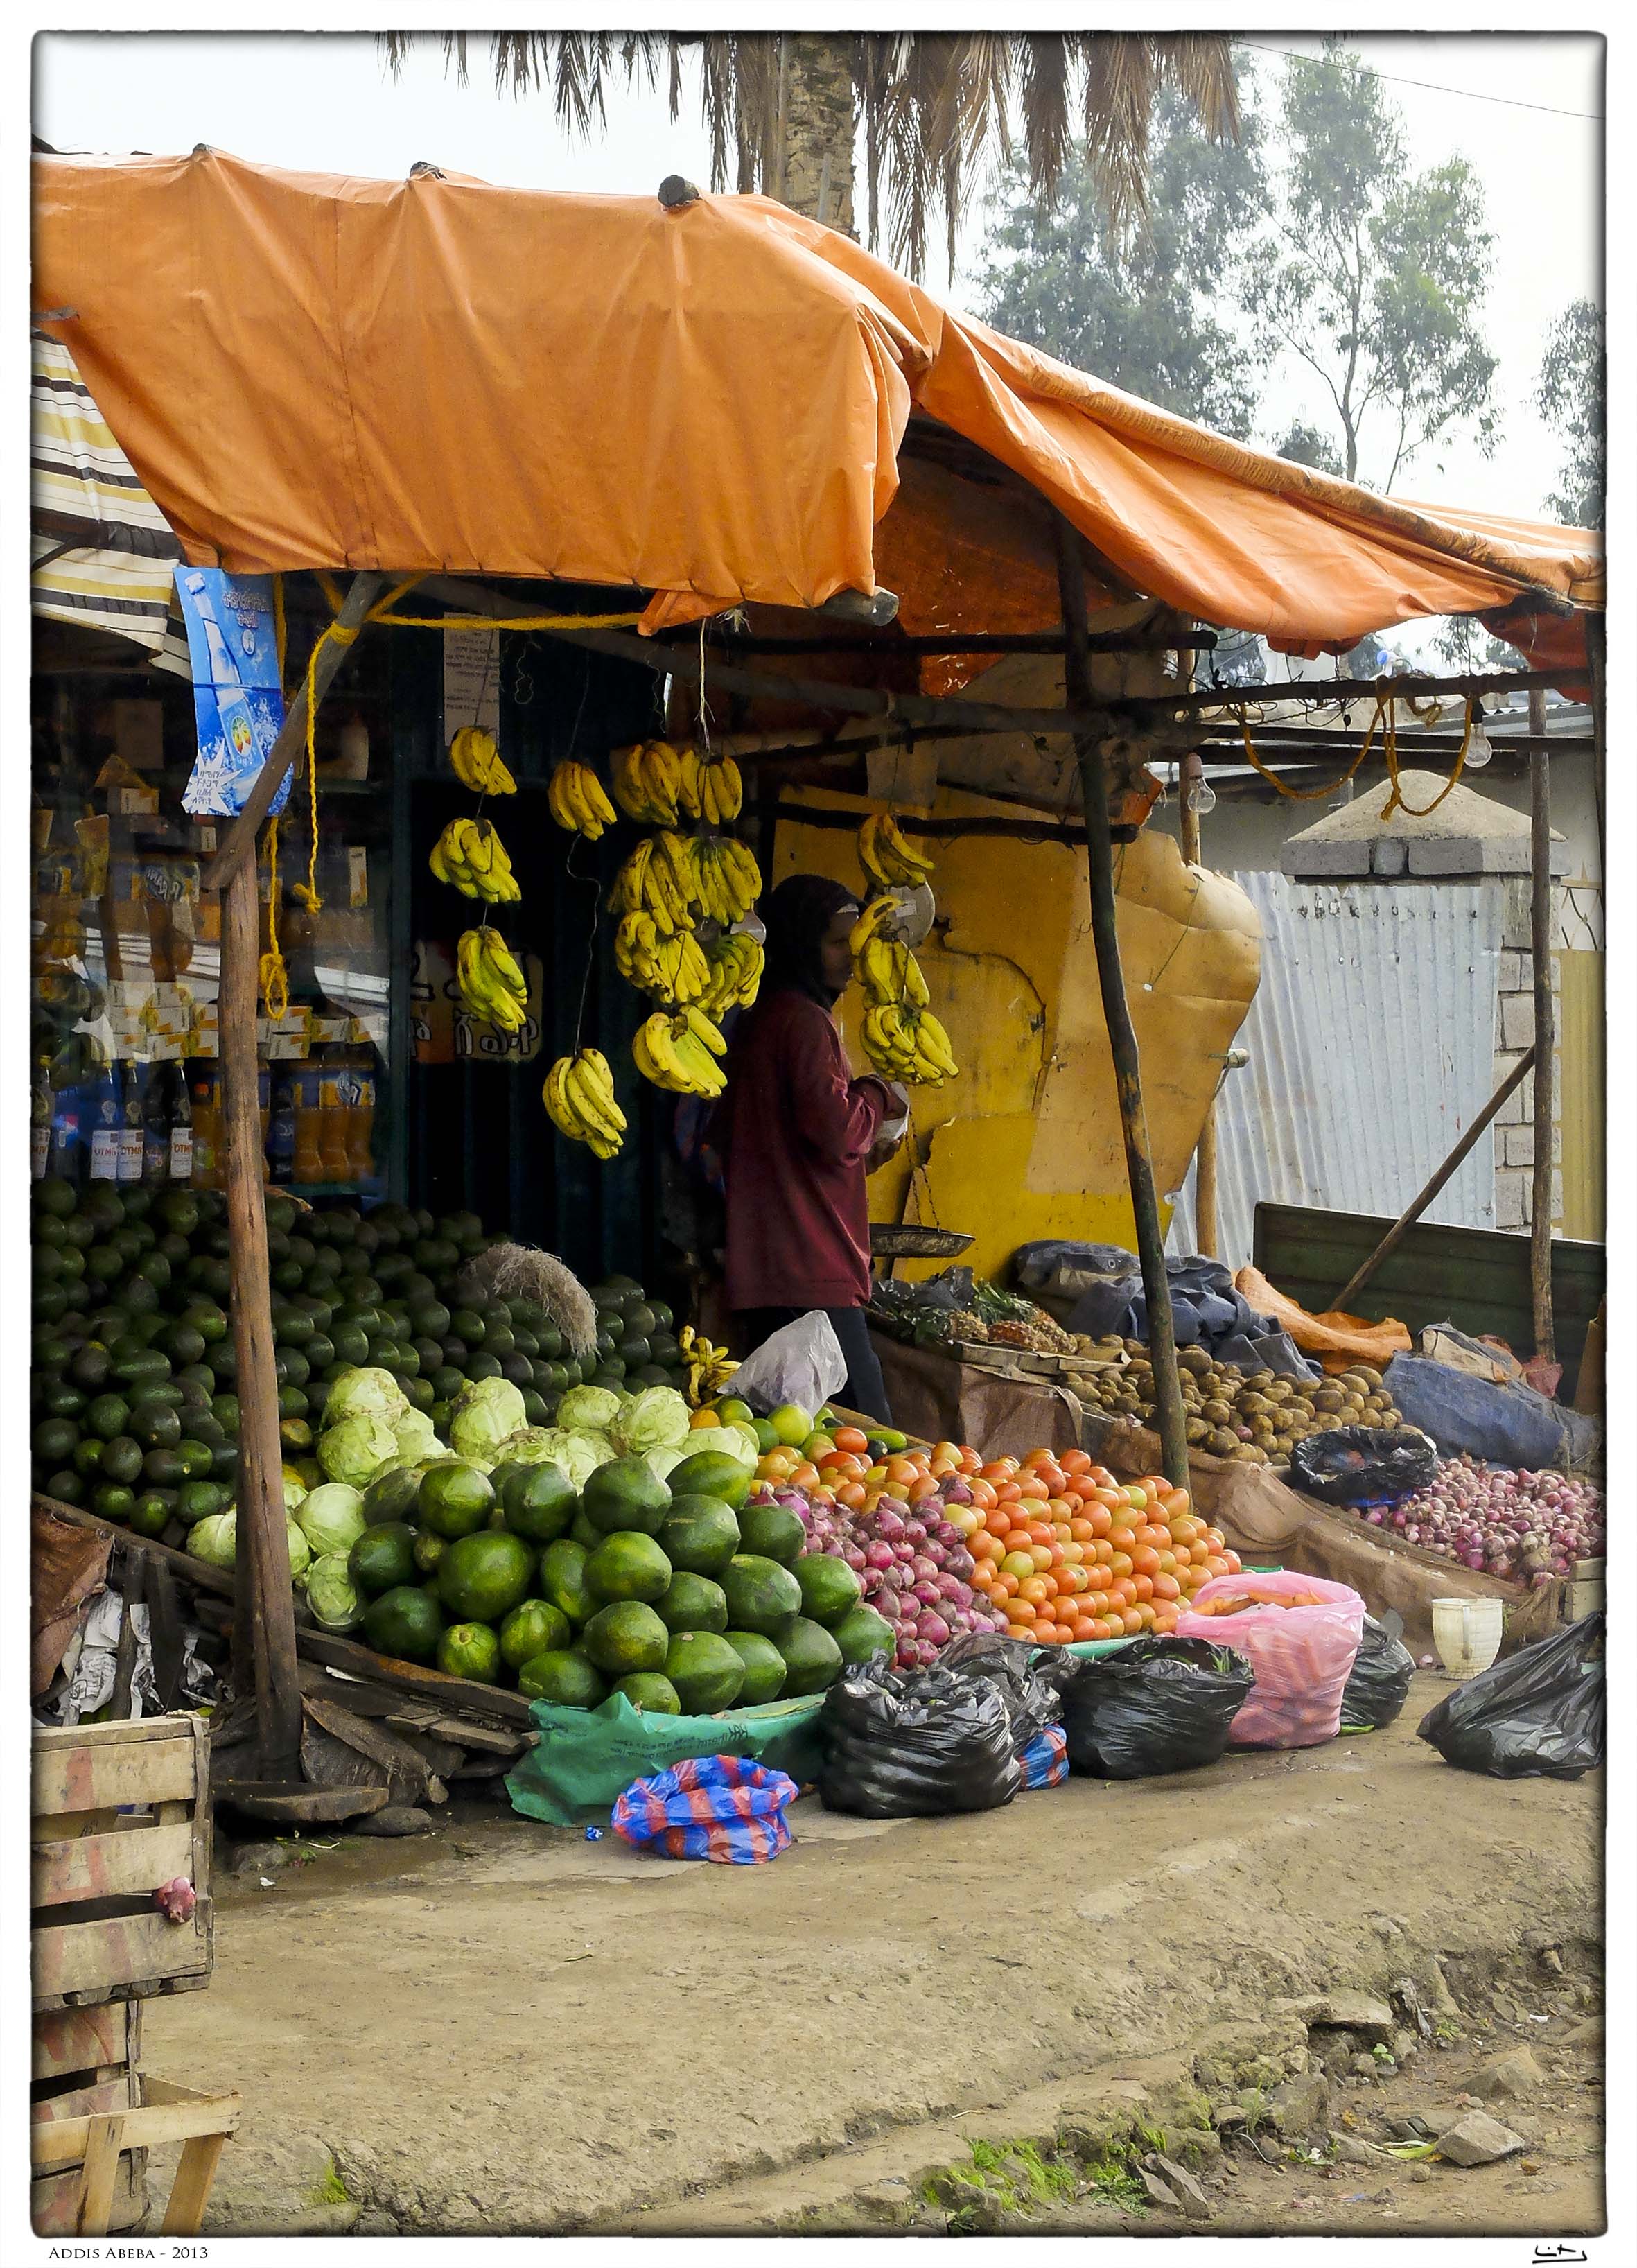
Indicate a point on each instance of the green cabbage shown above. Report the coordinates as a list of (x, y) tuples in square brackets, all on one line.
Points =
[(335, 1605), (300, 1553), (525, 1447), (577, 1454), (655, 1418), (661, 1461), (365, 1392), (481, 1415), (356, 1450), (332, 1518), (734, 1440), (416, 1436), (295, 1488), (214, 1540), (588, 1409)]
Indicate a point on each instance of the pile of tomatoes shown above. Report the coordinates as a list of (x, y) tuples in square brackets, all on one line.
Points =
[(1067, 1552), (1063, 1550)]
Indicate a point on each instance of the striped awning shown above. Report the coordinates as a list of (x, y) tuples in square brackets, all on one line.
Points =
[(103, 552)]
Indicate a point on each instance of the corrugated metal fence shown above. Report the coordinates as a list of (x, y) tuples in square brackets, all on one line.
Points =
[(1371, 1040)]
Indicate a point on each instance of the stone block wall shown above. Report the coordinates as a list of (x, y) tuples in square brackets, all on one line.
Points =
[(1514, 1029)]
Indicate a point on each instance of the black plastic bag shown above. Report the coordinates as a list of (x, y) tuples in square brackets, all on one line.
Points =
[(1160, 1704), (1380, 1683), (1032, 1699), (915, 1747), (1362, 1464), (1540, 1714)]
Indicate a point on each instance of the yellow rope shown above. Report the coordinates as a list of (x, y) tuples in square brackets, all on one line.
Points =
[(273, 975), (1395, 801), (1309, 794)]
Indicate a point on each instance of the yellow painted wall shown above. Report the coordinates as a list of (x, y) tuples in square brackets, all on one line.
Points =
[(1026, 1142), (1582, 1105)]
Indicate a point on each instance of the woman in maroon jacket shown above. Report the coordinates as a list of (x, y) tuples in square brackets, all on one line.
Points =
[(797, 1134)]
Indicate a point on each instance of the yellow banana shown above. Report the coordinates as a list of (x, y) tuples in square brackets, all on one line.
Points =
[(705, 1031), (477, 762)]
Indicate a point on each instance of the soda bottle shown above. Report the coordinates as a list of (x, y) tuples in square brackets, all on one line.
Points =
[(336, 1160), (67, 1130), (155, 1127), (209, 1160), (180, 1146), (309, 1159), (361, 1116), (107, 1114), (130, 1132), (281, 1135)]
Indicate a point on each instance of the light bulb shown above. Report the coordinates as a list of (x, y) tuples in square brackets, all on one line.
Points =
[(1202, 796), (1478, 750)]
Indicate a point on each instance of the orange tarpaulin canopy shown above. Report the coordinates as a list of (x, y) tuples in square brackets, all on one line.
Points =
[(707, 403)]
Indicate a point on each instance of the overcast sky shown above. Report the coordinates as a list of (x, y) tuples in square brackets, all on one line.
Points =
[(1524, 108)]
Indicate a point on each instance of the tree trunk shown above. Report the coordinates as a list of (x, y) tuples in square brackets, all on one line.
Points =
[(818, 109)]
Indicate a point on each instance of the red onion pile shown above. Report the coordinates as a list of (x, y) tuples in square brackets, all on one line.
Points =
[(1523, 1528), (913, 1563)]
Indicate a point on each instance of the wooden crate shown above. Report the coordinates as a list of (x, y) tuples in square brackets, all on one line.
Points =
[(85, 2064), (118, 1810), (78, 2157)]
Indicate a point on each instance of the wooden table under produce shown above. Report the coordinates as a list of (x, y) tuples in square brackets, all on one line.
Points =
[(933, 1396)]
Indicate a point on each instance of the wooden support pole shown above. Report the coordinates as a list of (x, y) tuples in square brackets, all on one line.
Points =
[(1190, 775), (1541, 943), (265, 1619), (1423, 1197), (1122, 1038)]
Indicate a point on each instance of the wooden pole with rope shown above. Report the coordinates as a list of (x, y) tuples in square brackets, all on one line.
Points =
[(1122, 1038), (1545, 1020), (1191, 777)]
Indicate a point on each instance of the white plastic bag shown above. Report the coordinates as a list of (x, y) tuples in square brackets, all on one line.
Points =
[(801, 1363)]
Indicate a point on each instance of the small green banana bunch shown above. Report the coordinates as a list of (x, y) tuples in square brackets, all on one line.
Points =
[(577, 801), (579, 1099), (735, 962), (491, 983), (681, 1053), (673, 969), (470, 858), (727, 879)]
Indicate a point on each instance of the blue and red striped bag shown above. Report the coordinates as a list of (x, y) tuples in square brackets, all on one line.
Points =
[(1045, 1762), (723, 1808)]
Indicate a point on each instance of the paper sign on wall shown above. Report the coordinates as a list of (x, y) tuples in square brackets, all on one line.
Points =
[(237, 704), (471, 681)]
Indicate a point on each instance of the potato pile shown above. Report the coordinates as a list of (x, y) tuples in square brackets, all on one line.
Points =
[(1256, 1418)]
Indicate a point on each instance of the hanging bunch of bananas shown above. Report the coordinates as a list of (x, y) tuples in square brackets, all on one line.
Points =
[(887, 969), (680, 1052), (735, 962), (707, 1368), (886, 858), (727, 879), (470, 856), (578, 802), (658, 879), (674, 968), (491, 983), (710, 788), (477, 764), (908, 1043), (579, 1098), (648, 781)]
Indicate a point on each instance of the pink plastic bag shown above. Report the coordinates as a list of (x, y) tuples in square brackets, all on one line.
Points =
[(1303, 1656)]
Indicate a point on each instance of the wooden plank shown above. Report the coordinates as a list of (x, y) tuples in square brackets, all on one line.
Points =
[(405, 1768), (128, 1863), (117, 2093), (68, 2040), (116, 1732), (191, 1571), (54, 2199), (98, 1956), (168, 2113), (190, 2191), (456, 1694), (102, 2163), (73, 1775)]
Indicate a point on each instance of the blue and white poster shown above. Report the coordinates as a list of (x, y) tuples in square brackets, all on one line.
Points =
[(238, 704)]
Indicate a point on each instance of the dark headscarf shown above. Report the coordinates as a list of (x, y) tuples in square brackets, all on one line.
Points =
[(796, 915)]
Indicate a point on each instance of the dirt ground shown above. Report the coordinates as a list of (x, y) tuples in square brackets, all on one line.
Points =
[(975, 2023)]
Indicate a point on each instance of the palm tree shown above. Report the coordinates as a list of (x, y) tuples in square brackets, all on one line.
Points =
[(783, 109)]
